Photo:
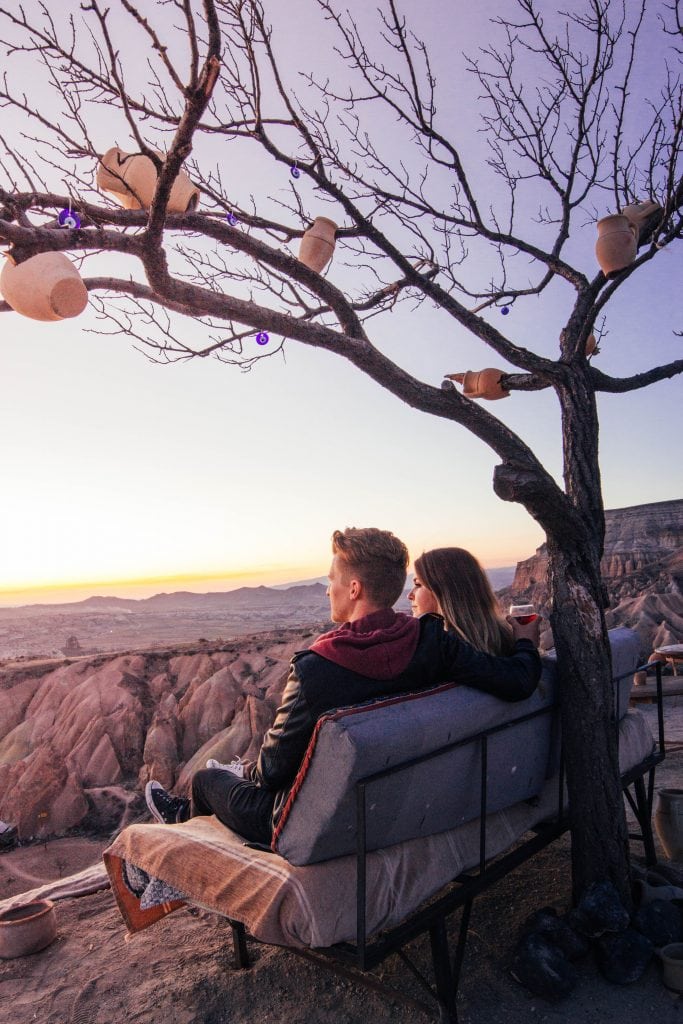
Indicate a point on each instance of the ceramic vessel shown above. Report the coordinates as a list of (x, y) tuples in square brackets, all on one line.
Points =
[(44, 287), (672, 964), (481, 383), (646, 893), (27, 928), (617, 243), (669, 822), (132, 180), (591, 345), (638, 213), (317, 244)]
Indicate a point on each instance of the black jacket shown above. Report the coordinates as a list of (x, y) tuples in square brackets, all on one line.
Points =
[(316, 686)]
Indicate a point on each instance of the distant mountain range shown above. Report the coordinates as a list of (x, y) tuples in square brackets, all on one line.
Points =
[(180, 600), (105, 624), (306, 592)]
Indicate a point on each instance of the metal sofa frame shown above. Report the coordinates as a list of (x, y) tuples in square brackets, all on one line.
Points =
[(357, 960)]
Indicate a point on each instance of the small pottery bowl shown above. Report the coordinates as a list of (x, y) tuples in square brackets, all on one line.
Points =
[(672, 962), (27, 928)]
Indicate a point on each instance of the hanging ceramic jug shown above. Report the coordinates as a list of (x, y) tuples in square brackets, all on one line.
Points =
[(591, 345), (617, 244), (669, 822), (129, 176), (317, 244), (638, 213), (481, 383), (44, 287)]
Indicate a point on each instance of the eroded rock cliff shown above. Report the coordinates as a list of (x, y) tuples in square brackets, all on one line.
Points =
[(642, 567), (79, 741)]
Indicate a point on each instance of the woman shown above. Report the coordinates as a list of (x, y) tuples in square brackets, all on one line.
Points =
[(451, 583)]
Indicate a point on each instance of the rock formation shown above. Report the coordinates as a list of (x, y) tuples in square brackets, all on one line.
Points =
[(79, 742), (642, 568)]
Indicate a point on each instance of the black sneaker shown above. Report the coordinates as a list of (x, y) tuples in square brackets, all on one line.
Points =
[(166, 808), (8, 835)]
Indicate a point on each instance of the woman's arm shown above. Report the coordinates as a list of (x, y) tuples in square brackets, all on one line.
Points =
[(512, 678)]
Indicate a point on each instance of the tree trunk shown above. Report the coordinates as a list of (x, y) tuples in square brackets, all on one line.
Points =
[(596, 804), (598, 821)]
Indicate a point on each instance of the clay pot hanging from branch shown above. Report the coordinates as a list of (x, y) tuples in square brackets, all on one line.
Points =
[(639, 213), (132, 180), (617, 243), (317, 244), (481, 383), (44, 287)]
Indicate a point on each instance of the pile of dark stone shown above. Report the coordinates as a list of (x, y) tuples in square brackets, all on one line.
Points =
[(623, 944)]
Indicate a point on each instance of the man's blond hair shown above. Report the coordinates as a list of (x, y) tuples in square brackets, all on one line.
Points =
[(376, 558)]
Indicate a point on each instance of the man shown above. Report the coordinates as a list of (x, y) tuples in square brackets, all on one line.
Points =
[(375, 652)]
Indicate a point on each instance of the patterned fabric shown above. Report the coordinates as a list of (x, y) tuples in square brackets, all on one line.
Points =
[(151, 892)]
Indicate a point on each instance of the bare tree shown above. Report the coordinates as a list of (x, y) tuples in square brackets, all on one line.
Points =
[(568, 132)]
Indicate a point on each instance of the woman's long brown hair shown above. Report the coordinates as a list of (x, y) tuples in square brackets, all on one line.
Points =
[(465, 598)]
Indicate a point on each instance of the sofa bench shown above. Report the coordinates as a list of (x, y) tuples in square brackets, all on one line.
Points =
[(404, 810)]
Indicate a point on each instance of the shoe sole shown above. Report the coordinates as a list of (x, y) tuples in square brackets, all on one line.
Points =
[(149, 789)]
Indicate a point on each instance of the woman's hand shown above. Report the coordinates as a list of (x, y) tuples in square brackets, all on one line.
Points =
[(528, 631)]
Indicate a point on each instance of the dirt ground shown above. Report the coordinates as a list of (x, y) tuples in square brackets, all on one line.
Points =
[(181, 970)]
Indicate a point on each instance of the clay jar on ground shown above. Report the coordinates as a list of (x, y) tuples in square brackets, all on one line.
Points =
[(27, 928), (617, 245), (129, 176), (44, 287), (317, 244), (669, 822), (672, 965)]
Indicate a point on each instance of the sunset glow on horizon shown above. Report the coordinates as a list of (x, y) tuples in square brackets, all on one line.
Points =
[(56, 593), (36, 592)]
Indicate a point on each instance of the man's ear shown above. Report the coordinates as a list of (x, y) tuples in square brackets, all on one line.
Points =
[(355, 589)]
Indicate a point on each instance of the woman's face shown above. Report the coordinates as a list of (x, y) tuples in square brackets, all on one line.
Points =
[(422, 599)]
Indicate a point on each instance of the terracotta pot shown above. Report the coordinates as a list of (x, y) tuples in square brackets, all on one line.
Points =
[(27, 928), (318, 243), (617, 245), (672, 966), (669, 822), (44, 287), (123, 174), (638, 213), (481, 383), (591, 345), (646, 893)]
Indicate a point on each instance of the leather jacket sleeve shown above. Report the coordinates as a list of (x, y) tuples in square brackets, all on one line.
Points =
[(510, 678), (285, 743)]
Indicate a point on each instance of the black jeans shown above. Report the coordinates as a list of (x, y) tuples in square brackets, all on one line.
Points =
[(241, 805)]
